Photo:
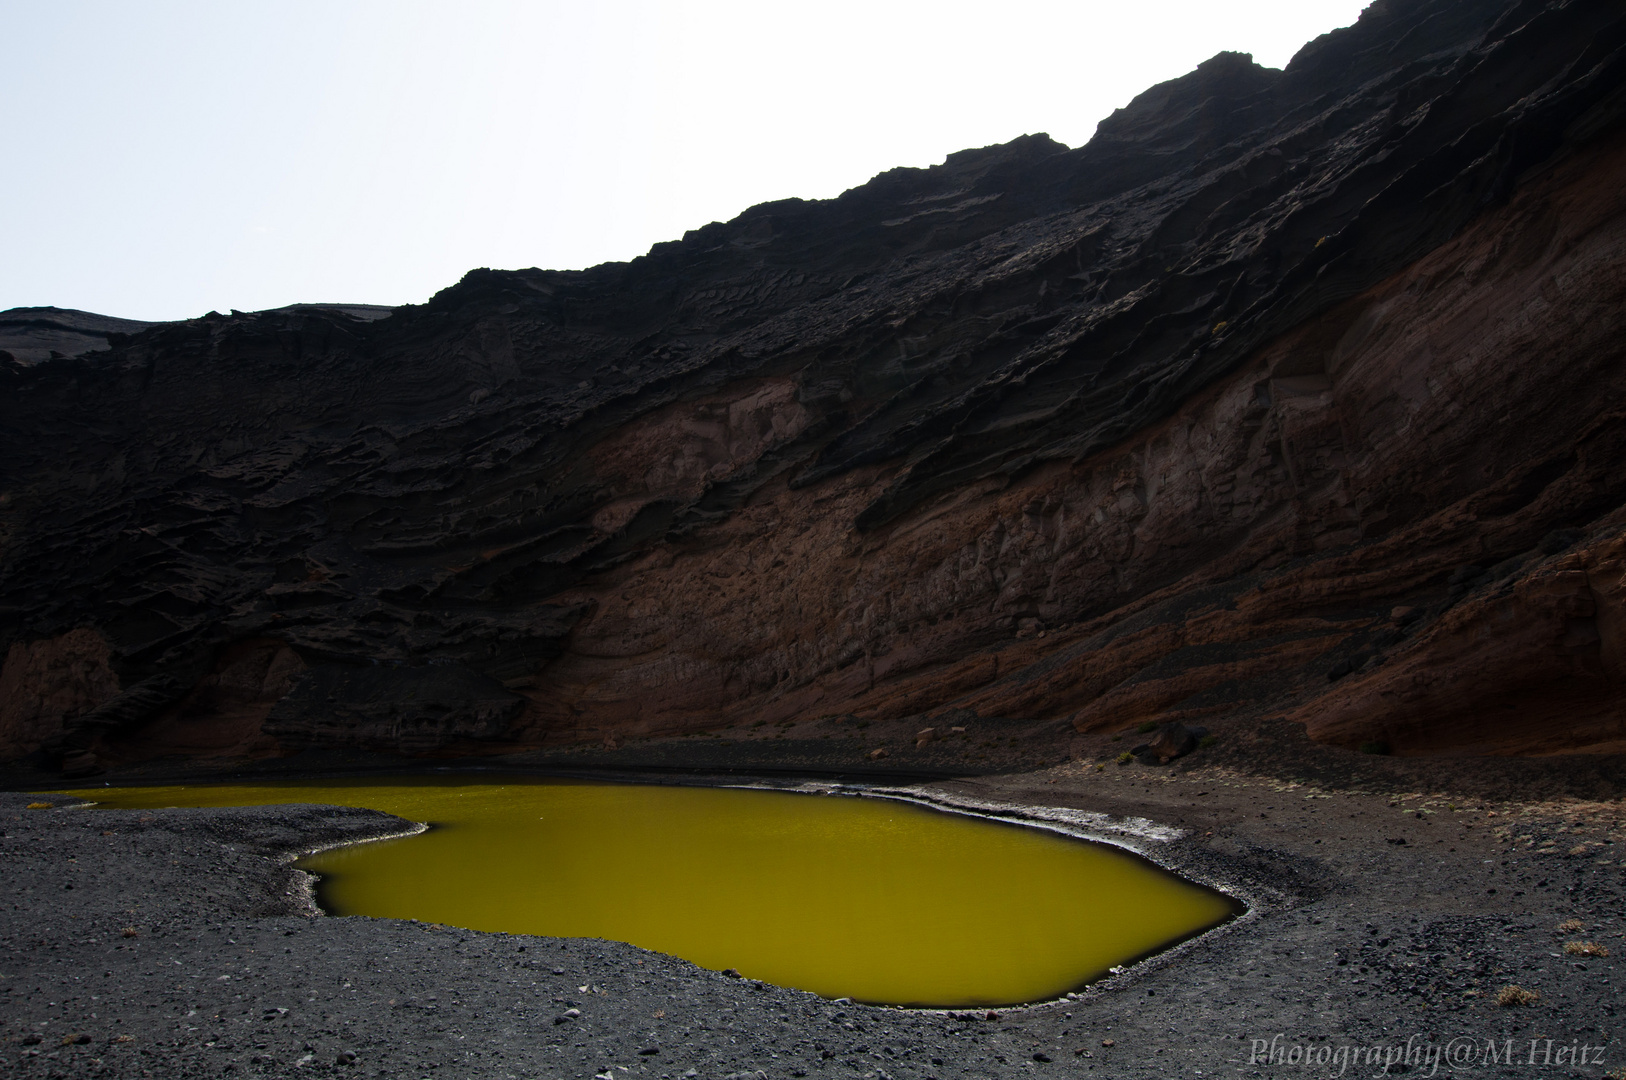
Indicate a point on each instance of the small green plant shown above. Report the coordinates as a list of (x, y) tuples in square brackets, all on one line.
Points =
[(1117, 738), (1208, 740), (1146, 727), (1374, 748), (1125, 758)]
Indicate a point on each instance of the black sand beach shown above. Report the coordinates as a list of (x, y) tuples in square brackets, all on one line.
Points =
[(1382, 923)]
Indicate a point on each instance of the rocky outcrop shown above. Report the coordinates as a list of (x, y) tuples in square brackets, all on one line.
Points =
[(1530, 664), (46, 684), (1168, 426), (33, 335), (407, 709), (1169, 741)]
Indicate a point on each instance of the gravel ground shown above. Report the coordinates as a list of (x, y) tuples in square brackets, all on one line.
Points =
[(181, 943)]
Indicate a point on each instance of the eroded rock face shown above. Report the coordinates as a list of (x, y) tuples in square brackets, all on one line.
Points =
[(47, 683), (224, 714), (409, 709), (1232, 555), (1164, 427)]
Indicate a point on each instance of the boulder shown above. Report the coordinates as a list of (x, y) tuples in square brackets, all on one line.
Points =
[(1170, 741)]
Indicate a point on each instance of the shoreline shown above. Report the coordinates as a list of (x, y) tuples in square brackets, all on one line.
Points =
[(1140, 838), (1367, 913)]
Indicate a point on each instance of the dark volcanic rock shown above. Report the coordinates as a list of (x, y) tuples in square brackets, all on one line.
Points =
[(32, 335), (1170, 741), (391, 708), (1159, 427), (134, 705)]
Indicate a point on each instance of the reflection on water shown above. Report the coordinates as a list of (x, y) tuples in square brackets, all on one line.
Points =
[(865, 898)]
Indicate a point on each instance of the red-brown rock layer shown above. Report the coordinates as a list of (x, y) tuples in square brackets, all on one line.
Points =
[(47, 682), (1456, 415)]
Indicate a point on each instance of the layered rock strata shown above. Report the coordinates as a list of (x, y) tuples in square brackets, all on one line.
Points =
[(1292, 392)]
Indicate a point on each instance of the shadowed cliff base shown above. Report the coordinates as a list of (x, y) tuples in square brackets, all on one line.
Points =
[(1292, 394)]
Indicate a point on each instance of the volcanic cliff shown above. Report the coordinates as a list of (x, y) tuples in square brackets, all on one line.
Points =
[(1292, 393)]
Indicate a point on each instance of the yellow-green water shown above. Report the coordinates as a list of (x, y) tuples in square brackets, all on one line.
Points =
[(872, 899)]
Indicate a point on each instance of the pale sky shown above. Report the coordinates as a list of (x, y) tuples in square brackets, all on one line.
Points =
[(165, 159)]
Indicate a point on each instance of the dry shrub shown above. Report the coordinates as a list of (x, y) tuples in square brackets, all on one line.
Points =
[(40, 805), (1585, 948), (1570, 926), (1509, 996)]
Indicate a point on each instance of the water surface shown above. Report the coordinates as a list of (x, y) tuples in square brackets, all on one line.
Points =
[(872, 899)]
